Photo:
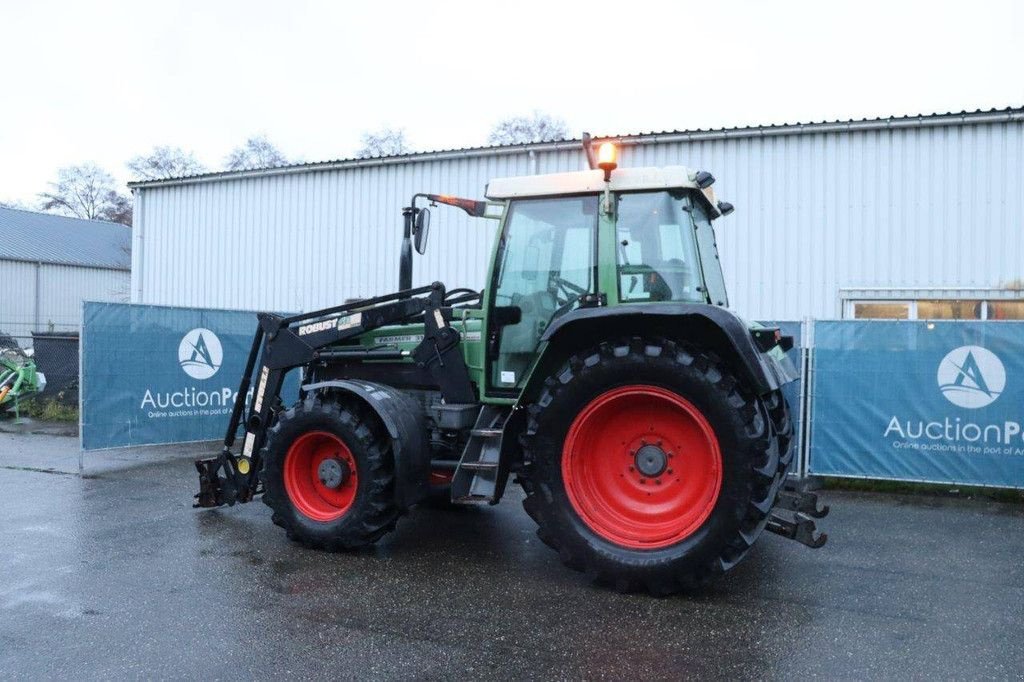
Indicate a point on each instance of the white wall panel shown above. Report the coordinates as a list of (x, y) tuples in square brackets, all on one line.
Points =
[(61, 290), (64, 287), (17, 298), (833, 207)]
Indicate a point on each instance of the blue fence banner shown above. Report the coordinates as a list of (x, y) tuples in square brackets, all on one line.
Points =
[(935, 401), (155, 374)]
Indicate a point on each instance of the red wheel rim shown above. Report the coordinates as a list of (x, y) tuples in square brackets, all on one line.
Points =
[(605, 479), (309, 494)]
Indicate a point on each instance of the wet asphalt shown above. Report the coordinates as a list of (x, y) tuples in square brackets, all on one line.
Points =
[(114, 575)]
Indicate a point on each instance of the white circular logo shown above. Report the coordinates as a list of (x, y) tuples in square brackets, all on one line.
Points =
[(200, 353), (971, 376)]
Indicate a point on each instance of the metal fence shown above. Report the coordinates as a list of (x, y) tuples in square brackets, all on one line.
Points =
[(918, 401), (159, 374), (923, 401), (23, 328)]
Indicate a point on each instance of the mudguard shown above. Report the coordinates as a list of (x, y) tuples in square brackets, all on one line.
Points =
[(718, 328), (403, 418)]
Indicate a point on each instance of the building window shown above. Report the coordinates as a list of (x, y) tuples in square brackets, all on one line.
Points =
[(950, 310), (881, 310), (1005, 310), (935, 309)]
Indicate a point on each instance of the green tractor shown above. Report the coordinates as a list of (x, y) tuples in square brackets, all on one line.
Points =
[(19, 377), (600, 368)]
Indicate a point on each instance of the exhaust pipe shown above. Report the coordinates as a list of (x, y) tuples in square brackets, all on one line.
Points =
[(588, 149)]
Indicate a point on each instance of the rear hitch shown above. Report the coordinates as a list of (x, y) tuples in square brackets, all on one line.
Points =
[(800, 528), (801, 501), (794, 513)]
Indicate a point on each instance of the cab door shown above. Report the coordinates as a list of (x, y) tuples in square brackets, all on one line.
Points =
[(546, 262)]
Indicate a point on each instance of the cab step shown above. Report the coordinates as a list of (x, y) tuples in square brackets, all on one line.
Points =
[(479, 466), (476, 477)]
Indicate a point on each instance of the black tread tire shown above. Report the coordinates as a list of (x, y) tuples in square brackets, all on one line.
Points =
[(374, 511), (753, 434), (782, 425)]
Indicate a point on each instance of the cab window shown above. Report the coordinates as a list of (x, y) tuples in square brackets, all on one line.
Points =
[(657, 251), (546, 262)]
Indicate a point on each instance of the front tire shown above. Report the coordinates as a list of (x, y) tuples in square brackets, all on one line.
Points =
[(648, 465), (328, 475)]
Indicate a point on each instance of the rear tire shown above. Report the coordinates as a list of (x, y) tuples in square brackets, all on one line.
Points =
[(346, 513), (599, 425)]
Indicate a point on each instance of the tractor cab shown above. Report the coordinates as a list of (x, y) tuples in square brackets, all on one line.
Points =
[(572, 241)]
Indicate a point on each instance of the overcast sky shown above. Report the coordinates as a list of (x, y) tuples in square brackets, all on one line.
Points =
[(104, 81)]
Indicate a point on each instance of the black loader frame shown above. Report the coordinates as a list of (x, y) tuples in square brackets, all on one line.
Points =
[(285, 343)]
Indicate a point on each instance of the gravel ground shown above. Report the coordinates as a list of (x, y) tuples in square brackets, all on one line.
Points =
[(114, 575)]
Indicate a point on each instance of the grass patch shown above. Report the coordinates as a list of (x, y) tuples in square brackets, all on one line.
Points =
[(49, 410), (942, 490)]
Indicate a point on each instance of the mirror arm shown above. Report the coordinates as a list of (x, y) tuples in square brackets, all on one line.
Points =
[(405, 261)]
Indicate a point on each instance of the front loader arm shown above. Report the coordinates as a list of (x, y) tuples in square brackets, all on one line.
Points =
[(285, 343)]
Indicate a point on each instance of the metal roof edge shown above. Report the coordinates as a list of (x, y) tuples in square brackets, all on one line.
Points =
[(66, 217), (1006, 115), (69, 264)]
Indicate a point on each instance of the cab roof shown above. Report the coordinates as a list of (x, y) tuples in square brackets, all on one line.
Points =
[(591, 181)]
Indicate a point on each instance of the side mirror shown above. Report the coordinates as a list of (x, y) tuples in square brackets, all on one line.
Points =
[(703, 179), (422, 230)]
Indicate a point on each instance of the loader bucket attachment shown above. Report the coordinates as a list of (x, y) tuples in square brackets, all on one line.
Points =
[(214, 489)]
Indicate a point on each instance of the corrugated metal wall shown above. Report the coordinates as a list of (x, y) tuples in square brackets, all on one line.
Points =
[(298, 241), (61, 290), (918, 208), (817, 211)]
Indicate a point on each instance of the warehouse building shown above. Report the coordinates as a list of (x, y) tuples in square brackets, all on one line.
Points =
[(906, 217), (49, 264)]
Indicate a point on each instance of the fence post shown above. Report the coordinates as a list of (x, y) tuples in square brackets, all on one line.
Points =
[(81, 343), (806, 389)]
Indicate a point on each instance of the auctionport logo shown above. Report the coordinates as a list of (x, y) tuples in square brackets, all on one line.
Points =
[(200, 353), (971, 377)]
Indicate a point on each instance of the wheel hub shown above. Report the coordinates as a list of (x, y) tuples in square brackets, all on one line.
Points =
[(650, 460), (333, 472)]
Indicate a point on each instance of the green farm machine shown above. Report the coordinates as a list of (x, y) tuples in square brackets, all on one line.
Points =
[(19, 377), (599, 368)]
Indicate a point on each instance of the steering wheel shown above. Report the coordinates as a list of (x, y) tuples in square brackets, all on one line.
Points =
[(569, 291), (566, 294)]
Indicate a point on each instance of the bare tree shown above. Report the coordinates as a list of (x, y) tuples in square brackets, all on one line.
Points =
[(165, 162), (384, 142), (119, 209), (539, 127), (21, 206), (85, 191), (257, 152)]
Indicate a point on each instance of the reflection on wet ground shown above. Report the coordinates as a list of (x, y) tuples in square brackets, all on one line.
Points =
[(116, 575)]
